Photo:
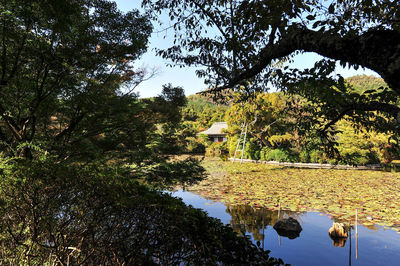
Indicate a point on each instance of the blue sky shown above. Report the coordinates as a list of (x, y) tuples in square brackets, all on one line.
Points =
[(186, 77)]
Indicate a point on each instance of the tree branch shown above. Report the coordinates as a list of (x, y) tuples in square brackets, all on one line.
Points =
[(393, 110), (373, 49)]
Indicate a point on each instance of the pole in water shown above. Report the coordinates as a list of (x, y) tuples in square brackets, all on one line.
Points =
[(356, 235), (350, 244), (263, 228), (279, 209)]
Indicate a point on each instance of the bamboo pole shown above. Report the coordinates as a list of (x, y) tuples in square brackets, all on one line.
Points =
[(356, 234), (263, 228), (350, 244), (279, 209)]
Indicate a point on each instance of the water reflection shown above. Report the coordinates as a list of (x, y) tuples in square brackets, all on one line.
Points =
[(338, 233), (289, 228), (246, 218), (255, 220), (364, 245)]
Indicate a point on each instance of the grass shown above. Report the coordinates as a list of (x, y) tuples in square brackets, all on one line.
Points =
[(375, 194)]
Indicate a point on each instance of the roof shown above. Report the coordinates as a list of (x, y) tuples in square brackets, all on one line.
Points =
[(216, 129)]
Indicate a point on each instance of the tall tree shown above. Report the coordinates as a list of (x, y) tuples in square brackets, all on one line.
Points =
[(240, 43), (66, 71)]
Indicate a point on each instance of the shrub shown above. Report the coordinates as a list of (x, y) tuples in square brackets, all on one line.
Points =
[(217, 149), (194, 145), (264, 153), (304, 156), (355, 157), (278, 155), (251, 151), (105, 216), (317, 156)]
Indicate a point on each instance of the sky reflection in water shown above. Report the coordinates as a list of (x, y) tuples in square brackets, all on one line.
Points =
[(314, 246)]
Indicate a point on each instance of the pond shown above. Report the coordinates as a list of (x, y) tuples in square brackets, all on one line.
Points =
[(374, 245)]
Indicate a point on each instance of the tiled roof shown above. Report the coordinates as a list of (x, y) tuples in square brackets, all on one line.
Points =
[(216, 129)]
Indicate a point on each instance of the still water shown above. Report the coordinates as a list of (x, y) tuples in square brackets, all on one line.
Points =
[(373, 246)]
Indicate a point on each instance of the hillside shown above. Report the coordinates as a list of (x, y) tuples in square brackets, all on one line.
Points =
[(363, 83)]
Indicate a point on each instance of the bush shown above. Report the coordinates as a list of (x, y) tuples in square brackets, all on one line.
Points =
[(304, 156), (317, 156), (98, 215), (195, 145), (251, 151), (264, 153), (278, 155), (217, 149), (355, 157)]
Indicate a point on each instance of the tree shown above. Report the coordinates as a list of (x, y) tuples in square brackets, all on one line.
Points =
[(240, 43), (264, 114), (66, 73)]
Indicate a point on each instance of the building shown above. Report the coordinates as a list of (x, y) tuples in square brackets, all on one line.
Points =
[(216, 132)]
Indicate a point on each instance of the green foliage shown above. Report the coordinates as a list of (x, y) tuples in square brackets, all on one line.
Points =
[(94, 214), (195, 145), (278, 155), (363, 83), (69, 126), (67, 69), (218, 149), (198, 114), (317, 156), (263, 112), (304, 156), (264, 153), (251, 151), (362, 147), (167, 174), (202, 112), (287, 123)]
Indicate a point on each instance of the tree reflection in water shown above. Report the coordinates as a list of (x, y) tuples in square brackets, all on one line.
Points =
[(245, 218), (255, 220)]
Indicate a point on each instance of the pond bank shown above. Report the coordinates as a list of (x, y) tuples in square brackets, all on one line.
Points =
[(313, 165)]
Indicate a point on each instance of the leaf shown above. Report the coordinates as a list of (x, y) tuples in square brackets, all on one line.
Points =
[(331, 8), (310, 17)]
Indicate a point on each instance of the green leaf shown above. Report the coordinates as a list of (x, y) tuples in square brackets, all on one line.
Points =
[(310, 17)]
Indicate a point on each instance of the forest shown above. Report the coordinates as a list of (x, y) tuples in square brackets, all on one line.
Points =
[(86, 165)]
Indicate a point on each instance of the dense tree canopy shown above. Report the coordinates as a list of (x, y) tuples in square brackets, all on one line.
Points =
[(65, 70), (250, 44)]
